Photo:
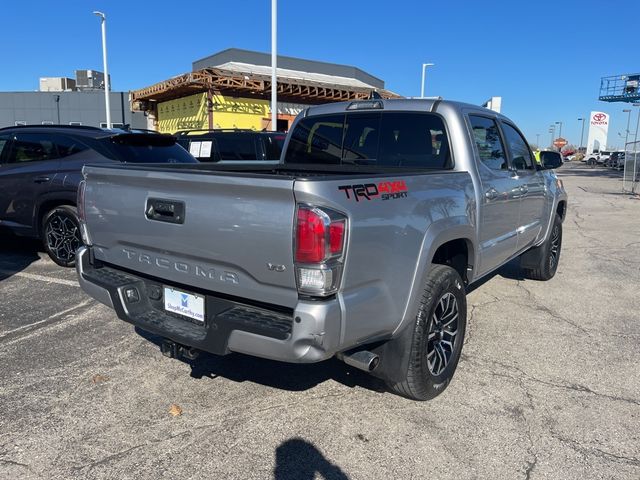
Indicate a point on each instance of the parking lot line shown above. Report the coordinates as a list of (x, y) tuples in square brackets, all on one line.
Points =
[(42, 278), (46, 320)]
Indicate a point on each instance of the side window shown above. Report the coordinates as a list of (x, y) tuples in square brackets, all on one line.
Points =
[(68, 146), (361, 138), (413, 140), (4, 147), (519, 149), (236, 147), (32, 147), (487, 138), (317, 140)]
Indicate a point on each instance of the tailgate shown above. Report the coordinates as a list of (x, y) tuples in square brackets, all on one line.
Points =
[(235, 236)]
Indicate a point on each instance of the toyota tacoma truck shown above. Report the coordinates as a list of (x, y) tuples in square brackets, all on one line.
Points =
[(360, 242)]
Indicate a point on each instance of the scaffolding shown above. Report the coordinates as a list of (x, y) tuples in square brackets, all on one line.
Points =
[(620, 88)]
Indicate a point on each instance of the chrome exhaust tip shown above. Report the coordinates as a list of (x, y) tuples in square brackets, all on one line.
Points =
[(363, 360)]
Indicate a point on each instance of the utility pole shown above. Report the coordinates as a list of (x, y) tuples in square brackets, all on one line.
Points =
[(552, 131), (103, 23), (274, 62), (538, 140), (626, 136), (560, 131), (581, 133)]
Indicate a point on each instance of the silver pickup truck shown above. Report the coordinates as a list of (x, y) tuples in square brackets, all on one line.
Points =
[(359, 243)]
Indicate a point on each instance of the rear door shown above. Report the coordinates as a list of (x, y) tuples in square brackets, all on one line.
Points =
[(500, 194), (26, 174), (530, 184)]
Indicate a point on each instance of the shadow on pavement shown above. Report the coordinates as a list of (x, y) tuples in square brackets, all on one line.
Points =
[(16, 253), (281, 375), (511, 270), (298, 459)]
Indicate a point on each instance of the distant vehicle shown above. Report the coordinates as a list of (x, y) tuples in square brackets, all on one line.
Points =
[(41, 166), (232, 144), (597, 158), (616, 160), (358, 244)]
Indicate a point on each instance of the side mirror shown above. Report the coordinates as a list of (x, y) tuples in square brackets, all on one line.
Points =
[(550, 160)]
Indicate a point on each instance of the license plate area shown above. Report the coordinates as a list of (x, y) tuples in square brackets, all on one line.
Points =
[(185, 304)]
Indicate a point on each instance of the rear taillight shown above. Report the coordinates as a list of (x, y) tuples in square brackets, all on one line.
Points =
[(82, 216), (320, 237)]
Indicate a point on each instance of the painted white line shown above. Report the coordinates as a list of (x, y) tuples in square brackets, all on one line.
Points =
[(48, 319), (42, 278)]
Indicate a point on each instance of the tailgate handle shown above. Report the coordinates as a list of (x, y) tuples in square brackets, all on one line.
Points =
[(161, 210)]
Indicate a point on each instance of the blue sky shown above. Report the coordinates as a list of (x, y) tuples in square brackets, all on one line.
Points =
[(545, 58)]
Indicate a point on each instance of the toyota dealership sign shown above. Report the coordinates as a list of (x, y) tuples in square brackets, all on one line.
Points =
[(598, 130)]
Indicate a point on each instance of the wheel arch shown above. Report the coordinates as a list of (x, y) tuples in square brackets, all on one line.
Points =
[(49, 203)]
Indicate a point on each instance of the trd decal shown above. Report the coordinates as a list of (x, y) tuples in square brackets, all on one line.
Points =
[(369, 191)]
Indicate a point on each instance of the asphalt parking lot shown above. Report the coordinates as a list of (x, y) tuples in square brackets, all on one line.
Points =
[(547, 386)]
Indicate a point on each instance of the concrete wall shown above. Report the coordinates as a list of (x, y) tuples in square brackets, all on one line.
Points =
[(85, 107)]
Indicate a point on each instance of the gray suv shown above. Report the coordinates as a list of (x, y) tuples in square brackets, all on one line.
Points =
[(40, 168)]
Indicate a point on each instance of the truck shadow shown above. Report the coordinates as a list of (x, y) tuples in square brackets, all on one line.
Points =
[(511, 270), (16, 253), (284, 376), (298, 459)]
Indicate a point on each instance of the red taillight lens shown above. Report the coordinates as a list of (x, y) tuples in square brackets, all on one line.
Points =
[(310, 237), (336, 236)]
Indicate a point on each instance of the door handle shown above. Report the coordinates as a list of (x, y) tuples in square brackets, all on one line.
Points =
[(491, 194), (524, 188), (41, 179)]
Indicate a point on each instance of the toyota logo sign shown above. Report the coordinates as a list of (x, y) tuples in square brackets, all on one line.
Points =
[(599, 117)]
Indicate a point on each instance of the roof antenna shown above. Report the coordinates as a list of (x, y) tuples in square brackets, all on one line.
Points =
[(374, 95)]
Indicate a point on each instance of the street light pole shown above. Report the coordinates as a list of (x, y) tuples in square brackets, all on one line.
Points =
[(560, 131), (626, 137), (552, 131), (103, 23), (581, 133), (274, 61), (538, 140), (424, 70)]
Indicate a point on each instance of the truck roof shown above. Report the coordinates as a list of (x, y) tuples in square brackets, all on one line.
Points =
[(430, 104)]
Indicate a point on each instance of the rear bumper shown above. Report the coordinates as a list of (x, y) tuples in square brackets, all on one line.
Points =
[(309, 333)]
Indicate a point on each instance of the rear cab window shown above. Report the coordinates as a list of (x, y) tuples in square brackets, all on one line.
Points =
[(142, 148), (488, 142), (413, 140)]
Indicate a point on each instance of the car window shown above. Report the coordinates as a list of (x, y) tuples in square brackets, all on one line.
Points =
[(361, 137), (388, 139), (273, 146), (489, 143), (519, 148), (4, 147), (236, 147), (141, 148), (68, 146), (32, 147), (317, 140), (415, 140)]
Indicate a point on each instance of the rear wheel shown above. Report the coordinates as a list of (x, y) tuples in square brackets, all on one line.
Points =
[(61, 235), (437, 336)]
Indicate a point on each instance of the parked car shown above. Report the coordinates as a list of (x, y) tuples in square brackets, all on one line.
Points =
[(616, 160), (360, 244), (232, 144), (597, 157), (40, 168)]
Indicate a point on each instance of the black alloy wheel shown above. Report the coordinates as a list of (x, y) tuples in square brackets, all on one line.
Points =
[(443, 331), (61, 235)]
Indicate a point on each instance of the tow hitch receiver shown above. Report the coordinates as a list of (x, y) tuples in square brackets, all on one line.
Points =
[(172, 349)]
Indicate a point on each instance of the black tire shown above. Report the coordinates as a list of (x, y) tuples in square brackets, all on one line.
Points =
[(550, 254), (61, 235), (424, 380)]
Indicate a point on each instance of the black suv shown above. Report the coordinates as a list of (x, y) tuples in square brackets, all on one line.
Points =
[(41, 167), (232, 144)]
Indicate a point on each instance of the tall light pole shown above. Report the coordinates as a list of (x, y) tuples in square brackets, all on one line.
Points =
[(538, 140), (626, 137), (581, 133), (560, 131), (274, 64), (103, 23), (424, 70), (552, 131)]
